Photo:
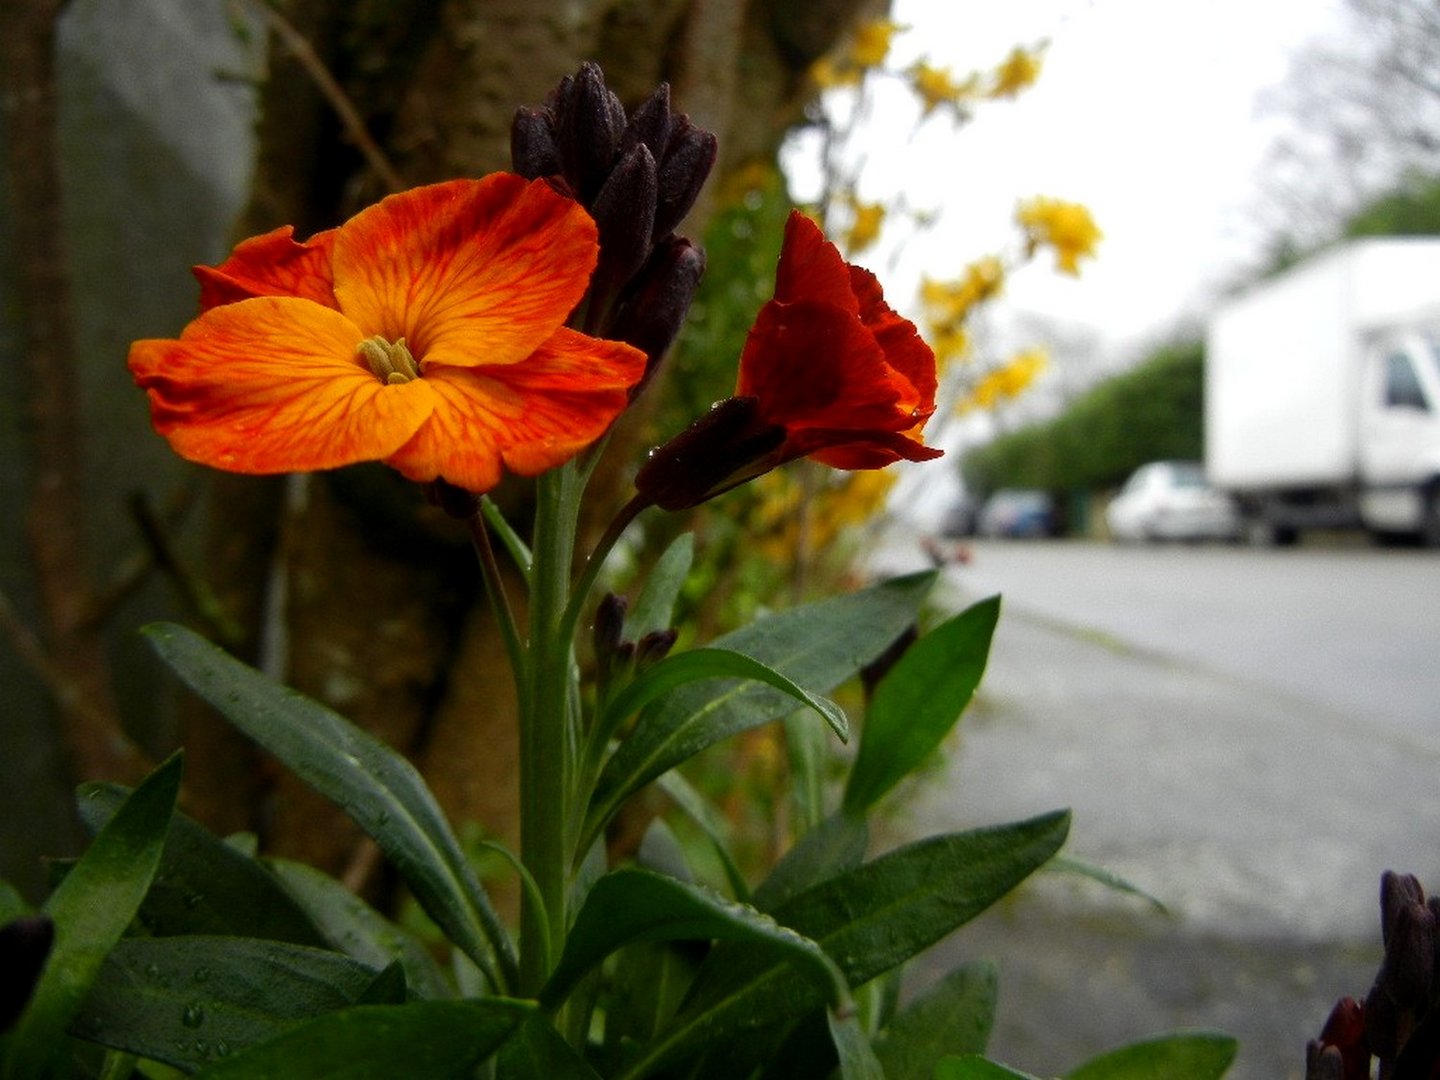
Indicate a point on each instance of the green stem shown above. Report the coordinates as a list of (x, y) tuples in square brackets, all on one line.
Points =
[(547, 726), (628, 513)]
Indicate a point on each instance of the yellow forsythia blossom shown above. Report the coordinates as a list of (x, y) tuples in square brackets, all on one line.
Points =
[(948, 341), (981, 280), (1007, 381), (829, 72), (872, 42), (1019, 70), (865, 226), (1067, 227), (935, 86)]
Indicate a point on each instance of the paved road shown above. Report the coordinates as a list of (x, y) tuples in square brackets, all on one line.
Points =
[(1252, 736)]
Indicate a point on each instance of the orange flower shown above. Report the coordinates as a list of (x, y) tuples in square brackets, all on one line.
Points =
[(426, 332), (829, 371)]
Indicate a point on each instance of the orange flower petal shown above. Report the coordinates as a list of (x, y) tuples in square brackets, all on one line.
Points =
[(528, 417), (469, 272), (272, 264), (271, 385)]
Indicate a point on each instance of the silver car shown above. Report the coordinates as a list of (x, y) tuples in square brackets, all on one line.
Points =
[(1170, 500)]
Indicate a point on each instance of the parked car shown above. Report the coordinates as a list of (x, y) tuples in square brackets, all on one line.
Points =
[(1170, 500), (1017, 512)]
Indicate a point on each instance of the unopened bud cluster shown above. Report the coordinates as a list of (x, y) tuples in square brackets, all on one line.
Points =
[(638, 176), (1398, 1023), (616, 657)]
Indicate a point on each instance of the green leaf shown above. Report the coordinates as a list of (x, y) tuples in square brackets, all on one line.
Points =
[(697, 664), (1067, 864), (918, 702), (187, 1001), (538, 1052), (869, 919), (377, 787), (421, 1040), (952, 1017), (12, 904), (633, 905), (353, 927), (857, 1059), (204, 885), (817, 646), (711, 822), (974, 1067), (91, 909), (655, 608), (835, 845), (1189, 1056)]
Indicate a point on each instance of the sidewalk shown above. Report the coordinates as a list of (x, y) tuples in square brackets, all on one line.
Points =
[(1261, 822)]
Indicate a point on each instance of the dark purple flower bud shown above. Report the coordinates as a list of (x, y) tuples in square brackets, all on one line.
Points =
[(1409, 967), (589, 120), (457, 503), (24, 946), (689, 157), (624, 212), (653, 647), (650, 124), (533, 150), (719, 451), (1396, 891), (1382, 1021), (1323, 1062), (659, 299), (609, 626)]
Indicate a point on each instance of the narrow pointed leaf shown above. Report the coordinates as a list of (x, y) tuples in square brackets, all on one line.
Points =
[(857, 1059), (655, 609), (974, 1067), (817, 646), (692, 666), (835, 845), (203, 884), (187, 1001), (91, 909), (378, 788), (637, 905), (712, 823), (918, 702), (353, 927), (952, 1017), (539, 1052), (1190, 1056), (869, 920), (1068, 864), (421, 1040)]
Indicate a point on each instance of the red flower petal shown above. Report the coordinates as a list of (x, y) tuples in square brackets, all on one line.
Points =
[(271, 385), (469, 272), (904, 348), (272, 264), (530, 416), (816, 365), (811, 268)]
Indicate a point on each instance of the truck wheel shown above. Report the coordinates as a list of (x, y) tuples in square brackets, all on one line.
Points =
[(1430, 522)]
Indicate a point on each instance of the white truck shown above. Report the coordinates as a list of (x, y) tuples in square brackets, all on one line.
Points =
[(1322, 394)]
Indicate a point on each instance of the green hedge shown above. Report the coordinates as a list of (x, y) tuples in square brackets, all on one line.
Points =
[(1150, 413)]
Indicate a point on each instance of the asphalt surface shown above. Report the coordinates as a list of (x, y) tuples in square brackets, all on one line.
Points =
[(1249, 737)]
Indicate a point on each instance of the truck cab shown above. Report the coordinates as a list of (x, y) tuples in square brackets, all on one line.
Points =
[(1399, 444)]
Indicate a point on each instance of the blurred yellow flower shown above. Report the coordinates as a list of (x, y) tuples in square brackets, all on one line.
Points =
[(872, 42), (1018, 70), (1007, 381), (864, 226), (1067, 227), (948, 341), (829, 72), (980, 281), (935, 87)]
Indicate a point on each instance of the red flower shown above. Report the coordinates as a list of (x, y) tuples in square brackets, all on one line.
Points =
[(829, 371), (426, 332)]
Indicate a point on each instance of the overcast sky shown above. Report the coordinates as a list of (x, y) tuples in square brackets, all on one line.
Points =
[(1145, 111)]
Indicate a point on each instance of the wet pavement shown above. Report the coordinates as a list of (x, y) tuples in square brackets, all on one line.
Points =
[(1259, 807)]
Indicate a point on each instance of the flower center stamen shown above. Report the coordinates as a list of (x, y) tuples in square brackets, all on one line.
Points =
[(389, 360)]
